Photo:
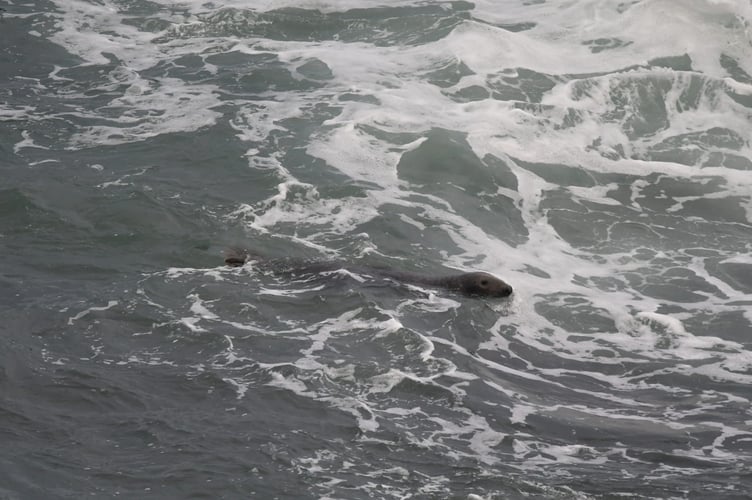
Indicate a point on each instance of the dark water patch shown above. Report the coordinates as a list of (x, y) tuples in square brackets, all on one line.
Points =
[(148, 24), (238, 74), (250, 458), (597, 430), (144, 15), (46, 244), (356, 97), (135, 428), (398, 138), (649, 114), (90, 87), (672, 284), (471, 94), (20, 213), (736, 72), (673, 460), (561, 175), (192, 67), (724, 210), (18, 42), (566, 218), (639, 104), (137, 203), (118, 225), (651, 481), (657, 188), (409, 25), (308, 121), (692, 147), (495, 406), (737, 275), (669, 213), (449, 74), (600, 44), (727, 325), (728, 160), (575, 314), (690, 375), (606, 284), (428, 394), (501, 172), (571, 381), (315, 69), (677, 63), (278, 79), (689, 199), (520, 84), (446, 166), (640, 101), (512, 27), (428, 240), (536, 271)]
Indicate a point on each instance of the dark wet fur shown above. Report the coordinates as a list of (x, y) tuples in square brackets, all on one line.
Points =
[(471, 284)]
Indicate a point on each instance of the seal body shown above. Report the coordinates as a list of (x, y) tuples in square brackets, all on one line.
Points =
[(474, 284)]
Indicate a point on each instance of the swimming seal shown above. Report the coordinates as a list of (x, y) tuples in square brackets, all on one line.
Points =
[(474, 284)]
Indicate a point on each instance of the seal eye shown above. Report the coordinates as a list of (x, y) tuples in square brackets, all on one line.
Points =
[(484, 282)]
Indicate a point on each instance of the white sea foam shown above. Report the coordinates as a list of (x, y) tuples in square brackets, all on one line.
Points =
[(89, 310)]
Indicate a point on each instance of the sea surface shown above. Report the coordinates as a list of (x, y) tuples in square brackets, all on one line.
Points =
[(595, 154)]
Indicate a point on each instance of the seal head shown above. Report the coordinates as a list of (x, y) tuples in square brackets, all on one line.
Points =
[(478, 284)]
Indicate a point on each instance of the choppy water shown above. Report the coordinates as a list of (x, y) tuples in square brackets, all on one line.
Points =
[(594, 154)]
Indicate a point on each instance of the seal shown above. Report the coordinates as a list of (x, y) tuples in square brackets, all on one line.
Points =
[(473, 284)]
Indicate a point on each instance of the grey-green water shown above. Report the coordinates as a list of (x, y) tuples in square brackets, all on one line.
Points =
[(594, 156)]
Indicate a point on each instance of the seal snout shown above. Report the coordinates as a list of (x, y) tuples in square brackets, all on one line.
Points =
[(500, 289), (505, 290), (483, 284)]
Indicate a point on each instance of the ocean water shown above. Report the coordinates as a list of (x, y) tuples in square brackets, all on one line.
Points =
[(595, 154)]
